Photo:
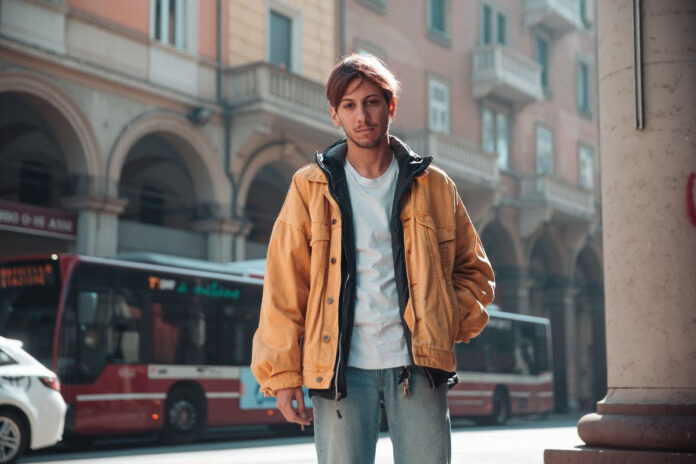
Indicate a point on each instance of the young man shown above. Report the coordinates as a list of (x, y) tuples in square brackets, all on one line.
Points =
[(374, 271)]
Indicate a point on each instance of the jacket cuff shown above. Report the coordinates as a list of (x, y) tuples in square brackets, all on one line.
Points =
[(280, 381)]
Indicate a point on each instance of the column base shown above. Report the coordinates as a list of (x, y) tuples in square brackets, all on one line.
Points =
[(592, 455)]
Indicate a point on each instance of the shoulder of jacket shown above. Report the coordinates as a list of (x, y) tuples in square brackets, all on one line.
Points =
[(310, 172), (437, 174)]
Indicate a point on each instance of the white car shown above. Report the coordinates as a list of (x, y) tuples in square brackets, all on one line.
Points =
[(32, 410)]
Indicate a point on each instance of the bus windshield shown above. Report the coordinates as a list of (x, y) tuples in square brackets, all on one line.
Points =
[(29, 293)]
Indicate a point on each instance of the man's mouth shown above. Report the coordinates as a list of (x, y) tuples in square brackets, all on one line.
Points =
[(365, 129)]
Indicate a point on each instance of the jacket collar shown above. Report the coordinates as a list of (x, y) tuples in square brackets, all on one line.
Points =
[(331, 160)]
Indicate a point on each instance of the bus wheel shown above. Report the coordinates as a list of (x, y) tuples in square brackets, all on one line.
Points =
[(184, 416), (13, 436), (501, 408)]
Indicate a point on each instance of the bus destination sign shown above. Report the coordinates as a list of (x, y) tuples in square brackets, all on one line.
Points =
[(26, 275), (211, 289)]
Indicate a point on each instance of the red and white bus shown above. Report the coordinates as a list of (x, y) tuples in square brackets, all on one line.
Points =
[(504, 371), (154, 343)]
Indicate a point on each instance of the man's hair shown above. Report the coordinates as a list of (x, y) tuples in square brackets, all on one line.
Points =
[(361, 67)]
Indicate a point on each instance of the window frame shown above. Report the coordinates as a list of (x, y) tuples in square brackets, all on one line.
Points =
[(496, 12), (497, 110), (552, 155), (442, 37), (296, 28), (540, 35), (186, 17), (586, 110), (435, 82), (593, 179)]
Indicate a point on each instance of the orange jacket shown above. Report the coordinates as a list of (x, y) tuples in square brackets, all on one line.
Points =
[(450, 281)]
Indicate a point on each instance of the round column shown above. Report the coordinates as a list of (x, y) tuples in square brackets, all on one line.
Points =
[(649, 227)]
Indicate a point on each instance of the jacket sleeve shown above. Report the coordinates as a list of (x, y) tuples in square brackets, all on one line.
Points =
[(472, 276), (276, 359)]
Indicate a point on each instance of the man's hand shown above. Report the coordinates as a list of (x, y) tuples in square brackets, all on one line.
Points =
[(284, 399)]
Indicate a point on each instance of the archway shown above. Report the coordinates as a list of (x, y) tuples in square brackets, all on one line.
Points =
[(590, 330)]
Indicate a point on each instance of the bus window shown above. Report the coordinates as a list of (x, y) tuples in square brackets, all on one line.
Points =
[(29, 295), (237, 324), (178, 329)]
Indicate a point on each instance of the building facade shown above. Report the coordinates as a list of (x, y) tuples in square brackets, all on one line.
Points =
[(174, 127)]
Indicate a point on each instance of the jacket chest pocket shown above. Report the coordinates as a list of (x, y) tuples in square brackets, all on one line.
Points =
[(319, 245)]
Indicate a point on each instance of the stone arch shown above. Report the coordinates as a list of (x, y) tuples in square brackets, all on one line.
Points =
[(196, 151), (73, 130), (590, 332), (500, 245), (279, 151)]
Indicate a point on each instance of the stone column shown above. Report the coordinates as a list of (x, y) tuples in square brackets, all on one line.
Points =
[(512, 290), (221, 234), (97, 223), (560, 300), (649, 226)]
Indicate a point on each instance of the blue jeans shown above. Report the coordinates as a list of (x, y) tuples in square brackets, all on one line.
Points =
[(419, 424)]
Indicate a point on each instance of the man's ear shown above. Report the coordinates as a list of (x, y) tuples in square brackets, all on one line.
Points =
[(334, 116), (392, 107)]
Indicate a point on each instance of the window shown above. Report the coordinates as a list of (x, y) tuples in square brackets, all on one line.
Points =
[(169, 22), (437, 16), (493, 26), (586, 167), (583, 84), (438, 93), (281, 40), (541, 55), (284, 36), (585, 15), (495, 135), (544, 151)]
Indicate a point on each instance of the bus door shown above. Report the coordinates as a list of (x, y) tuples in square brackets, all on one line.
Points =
[(100, 353)]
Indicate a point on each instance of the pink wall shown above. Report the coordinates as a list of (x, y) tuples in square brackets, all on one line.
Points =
[(133, 14)]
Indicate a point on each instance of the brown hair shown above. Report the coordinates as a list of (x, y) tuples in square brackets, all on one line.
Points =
[(360, 67)]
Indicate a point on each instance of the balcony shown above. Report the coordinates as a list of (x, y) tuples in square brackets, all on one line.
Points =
[(570, 201), (502, 72), (559, 16), (462, 160), (263, 87)]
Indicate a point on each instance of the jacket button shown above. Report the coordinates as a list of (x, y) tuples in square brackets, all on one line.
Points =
[(329, 300), (319, 379), (326, 338), (333, 260), (333, 221)]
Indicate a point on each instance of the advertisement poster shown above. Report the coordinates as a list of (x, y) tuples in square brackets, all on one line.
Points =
[(252, 398)]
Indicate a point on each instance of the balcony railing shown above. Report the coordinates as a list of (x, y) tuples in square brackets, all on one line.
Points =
[(560, 16), (501, 71), (461, 158), (559, 195), (264, 83)]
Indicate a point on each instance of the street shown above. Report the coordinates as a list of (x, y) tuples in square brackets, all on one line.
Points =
[(522, 441)]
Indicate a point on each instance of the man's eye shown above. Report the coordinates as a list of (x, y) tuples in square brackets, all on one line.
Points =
[(348, 106), (373, 102)]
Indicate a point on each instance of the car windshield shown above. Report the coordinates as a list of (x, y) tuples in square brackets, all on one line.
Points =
[(29, 293)]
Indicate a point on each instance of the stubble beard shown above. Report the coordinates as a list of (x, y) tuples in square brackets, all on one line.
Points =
[(373, 143)]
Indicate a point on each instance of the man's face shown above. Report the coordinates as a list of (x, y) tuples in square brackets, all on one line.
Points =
[(364, 113)]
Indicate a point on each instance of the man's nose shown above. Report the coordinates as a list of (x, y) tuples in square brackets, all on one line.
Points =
[(363, 114)]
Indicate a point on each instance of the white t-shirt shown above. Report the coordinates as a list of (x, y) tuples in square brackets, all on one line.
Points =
[(378, 336)]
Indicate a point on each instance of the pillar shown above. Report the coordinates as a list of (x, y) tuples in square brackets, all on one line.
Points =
[(560, 300), (221, 237), (97, 223), (649, 227)]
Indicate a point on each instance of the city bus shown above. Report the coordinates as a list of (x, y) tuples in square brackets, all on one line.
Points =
[(147, 342)]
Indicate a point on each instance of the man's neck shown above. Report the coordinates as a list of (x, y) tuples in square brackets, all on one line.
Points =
[(370, 163)]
